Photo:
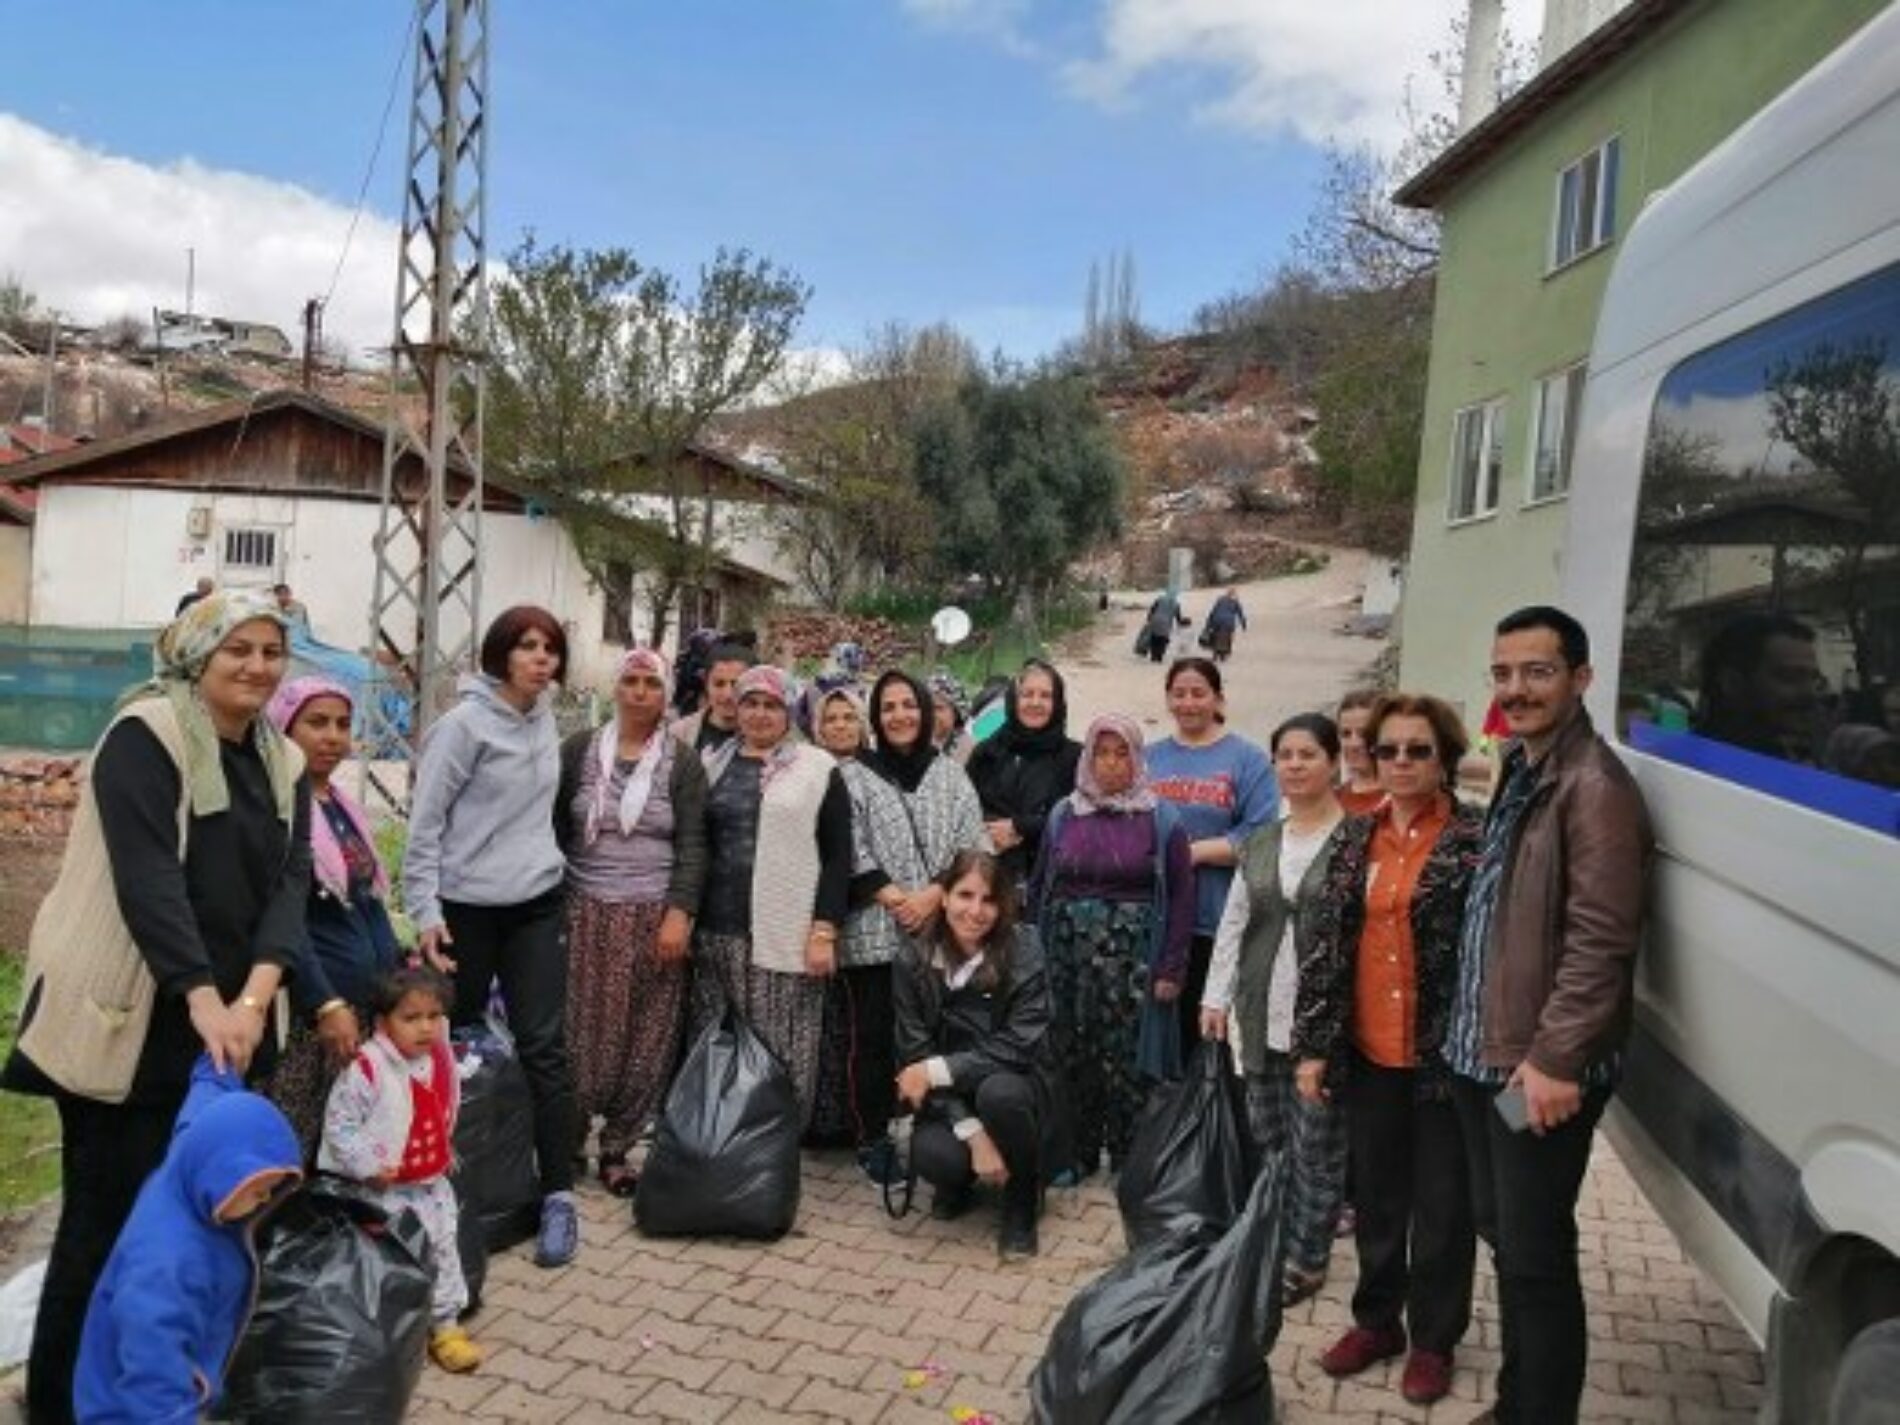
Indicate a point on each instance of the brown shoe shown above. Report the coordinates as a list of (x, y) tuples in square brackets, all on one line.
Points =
[(1427, 1377), (1361, 1348)]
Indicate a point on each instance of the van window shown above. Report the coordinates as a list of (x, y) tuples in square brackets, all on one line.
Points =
[(1762, 635)]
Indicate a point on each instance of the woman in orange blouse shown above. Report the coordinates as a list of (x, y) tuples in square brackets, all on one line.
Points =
[(1375, 991)]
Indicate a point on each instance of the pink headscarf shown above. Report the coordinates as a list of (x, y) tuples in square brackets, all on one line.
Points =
[(639, 785), (1088, 797), (332, 872), (774, 683)]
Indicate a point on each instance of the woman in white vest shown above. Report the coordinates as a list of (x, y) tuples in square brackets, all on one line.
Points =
[(778, 830), (179, 905)]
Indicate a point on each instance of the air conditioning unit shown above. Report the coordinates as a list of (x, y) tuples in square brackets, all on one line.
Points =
[(198, 522)]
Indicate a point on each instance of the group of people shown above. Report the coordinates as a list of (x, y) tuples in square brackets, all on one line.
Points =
[(1012, 943)]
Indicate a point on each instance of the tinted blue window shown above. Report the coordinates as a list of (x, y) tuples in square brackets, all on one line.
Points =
[(1764, 599)]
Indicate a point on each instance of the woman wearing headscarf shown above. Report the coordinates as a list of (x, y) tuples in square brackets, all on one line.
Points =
[(951, 732), (905, 831), (778, 884), (482, 877), (349, 943), (1114, 895), (1026, 767), (177, 912), (631, 819)]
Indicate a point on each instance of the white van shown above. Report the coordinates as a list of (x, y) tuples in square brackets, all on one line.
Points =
[(1734, 549)]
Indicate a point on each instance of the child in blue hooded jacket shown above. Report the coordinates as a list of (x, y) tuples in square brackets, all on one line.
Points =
[(178, 1287)]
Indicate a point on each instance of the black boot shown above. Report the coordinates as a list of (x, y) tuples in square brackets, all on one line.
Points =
[(947, 1204), (1016, 1236)]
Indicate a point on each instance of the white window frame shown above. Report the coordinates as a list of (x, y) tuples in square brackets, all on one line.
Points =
[(246, 571), (1570, 213), (1568, 412), (1491, 414)]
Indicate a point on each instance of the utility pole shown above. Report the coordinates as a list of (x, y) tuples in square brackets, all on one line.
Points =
[(426, 600), (52, 378), (312, 339)]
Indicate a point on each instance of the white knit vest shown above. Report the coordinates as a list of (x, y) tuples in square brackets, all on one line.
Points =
[(785, 865)]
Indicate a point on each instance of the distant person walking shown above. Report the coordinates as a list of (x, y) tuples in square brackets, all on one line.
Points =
[(1222, 620), (1164, 616)]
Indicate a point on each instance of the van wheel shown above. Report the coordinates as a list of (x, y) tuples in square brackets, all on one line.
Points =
[(1867, 1383)]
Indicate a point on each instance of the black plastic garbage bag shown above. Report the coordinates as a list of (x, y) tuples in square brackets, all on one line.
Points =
[(495, 1178), (471, 1239), (1192, 1159), (342, 1317), (724, 1160), (1178, 1331)]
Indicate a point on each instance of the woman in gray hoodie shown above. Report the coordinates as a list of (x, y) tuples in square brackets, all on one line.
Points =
[(482, 879)]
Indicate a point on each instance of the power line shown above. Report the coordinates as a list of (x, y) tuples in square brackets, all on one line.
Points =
[(403, 52)]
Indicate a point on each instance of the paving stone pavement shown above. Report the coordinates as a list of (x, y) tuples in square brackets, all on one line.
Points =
[(825, 1324)]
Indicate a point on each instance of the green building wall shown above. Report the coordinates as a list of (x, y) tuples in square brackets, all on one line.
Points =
[(1502, 320)]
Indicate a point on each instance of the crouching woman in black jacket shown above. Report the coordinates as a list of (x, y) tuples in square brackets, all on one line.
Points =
[(973, 1016)]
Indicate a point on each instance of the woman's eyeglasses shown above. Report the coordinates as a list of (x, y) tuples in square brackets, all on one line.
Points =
[(1405, 751)]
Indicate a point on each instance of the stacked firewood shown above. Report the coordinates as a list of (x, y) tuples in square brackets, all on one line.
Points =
[(803, 637), (37, 796)]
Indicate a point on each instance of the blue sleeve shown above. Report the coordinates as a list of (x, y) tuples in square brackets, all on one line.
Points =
[(1256, 794)]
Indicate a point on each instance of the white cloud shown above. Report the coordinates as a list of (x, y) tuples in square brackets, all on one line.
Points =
[(97, 236), (1317, 70)]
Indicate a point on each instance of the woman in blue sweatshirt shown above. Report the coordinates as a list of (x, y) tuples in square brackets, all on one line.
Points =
[(482, 877), (1222, 786)]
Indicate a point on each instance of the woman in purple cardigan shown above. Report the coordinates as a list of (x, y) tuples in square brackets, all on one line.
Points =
[(1114, 894)]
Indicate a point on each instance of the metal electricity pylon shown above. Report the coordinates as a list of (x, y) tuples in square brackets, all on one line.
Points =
[(425, 606)]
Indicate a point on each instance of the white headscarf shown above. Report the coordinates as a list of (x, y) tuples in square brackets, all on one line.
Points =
[(639, 784)]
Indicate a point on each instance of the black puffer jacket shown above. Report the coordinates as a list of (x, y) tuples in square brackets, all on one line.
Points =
[(984, 1028)]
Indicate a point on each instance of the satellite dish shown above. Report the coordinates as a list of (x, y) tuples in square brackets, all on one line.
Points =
[(950, 625)]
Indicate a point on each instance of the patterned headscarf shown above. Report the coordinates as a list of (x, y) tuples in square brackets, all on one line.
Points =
[(606, 748), (327, 862), (179, 656), (819, 696), (1088, 797), (774, 683), (946, 691)]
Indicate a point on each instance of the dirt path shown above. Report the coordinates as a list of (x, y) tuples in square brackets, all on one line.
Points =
[(1291, 658)]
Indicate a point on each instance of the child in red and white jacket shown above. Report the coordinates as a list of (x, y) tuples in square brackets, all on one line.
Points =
[(390, 1126)]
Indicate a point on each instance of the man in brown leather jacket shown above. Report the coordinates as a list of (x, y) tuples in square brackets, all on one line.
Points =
[(1542, 1003)]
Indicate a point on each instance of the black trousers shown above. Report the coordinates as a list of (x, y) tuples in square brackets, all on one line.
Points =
[(520, 945), (1200, 957), (106, 1153), (871, 1062), (1413, 1205), (1006, 1104), (1524, 1190)]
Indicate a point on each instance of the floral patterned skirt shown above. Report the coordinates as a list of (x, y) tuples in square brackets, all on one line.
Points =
[(1097, 958), (625, 1011)]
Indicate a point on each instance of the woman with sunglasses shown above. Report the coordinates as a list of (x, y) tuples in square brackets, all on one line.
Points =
[(1375, 987)]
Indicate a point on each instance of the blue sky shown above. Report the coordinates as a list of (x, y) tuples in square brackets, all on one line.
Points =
[(913, 159)]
